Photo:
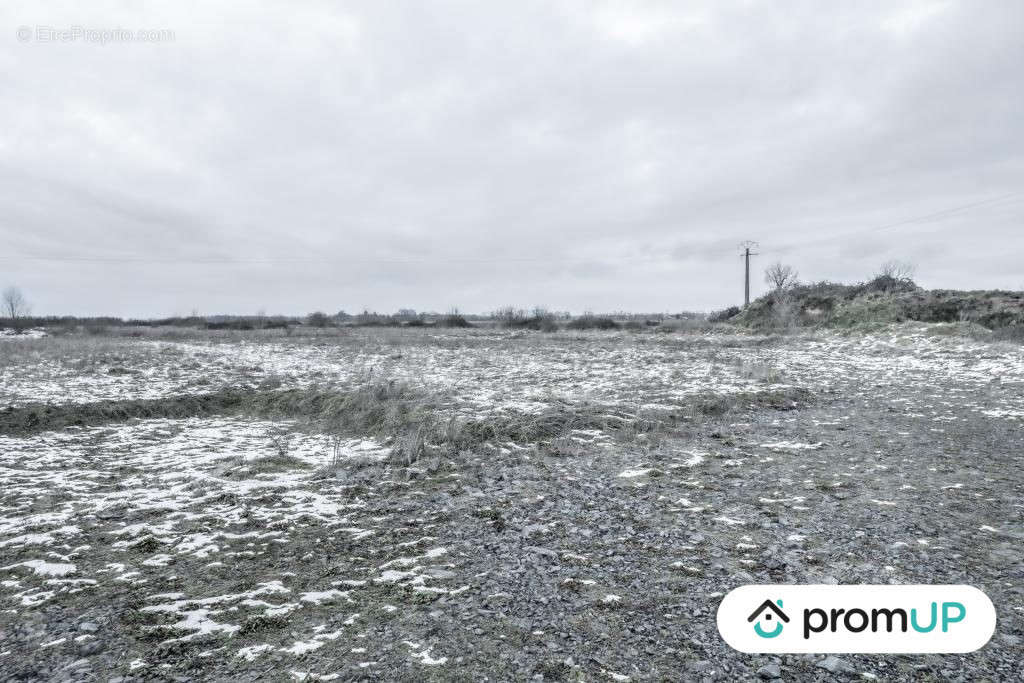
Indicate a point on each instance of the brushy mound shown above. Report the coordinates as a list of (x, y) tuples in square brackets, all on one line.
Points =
[(454, 320), (882, 300), (724, 315), (514, 318), (542, 323)]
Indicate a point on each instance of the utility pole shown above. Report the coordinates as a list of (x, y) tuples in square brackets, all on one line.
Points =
[(747, 246)]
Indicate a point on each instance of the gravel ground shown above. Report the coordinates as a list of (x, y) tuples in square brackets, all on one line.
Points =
[(215, 549)]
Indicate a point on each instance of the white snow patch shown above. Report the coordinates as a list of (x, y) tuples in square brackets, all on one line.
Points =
[(319, 597), (159, 560), (301, 648), (44, 568), (729, 520), (636, 472), (253, 651), (793, 446)]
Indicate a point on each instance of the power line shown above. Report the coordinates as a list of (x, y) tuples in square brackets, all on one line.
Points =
[(888, 226), (140, 259)]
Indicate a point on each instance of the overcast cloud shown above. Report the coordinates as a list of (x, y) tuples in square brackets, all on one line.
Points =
[(578, 155)]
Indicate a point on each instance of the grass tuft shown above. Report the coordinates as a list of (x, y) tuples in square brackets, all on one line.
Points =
[(413, 423)]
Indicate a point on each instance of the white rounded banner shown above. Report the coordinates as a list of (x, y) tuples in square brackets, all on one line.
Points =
[(866, 619)]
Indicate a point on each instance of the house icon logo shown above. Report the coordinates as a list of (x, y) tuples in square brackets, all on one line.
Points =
[(767, 612)]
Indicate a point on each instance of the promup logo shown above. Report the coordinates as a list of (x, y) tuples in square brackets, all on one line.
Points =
[(765, 613), (832, 619)]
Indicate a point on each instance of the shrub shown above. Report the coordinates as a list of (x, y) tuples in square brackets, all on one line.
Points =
[(890, 284), (261, 623), (318, 319), (454, 319), (510, 316), (368, 319), (231, 325), (724, 315), (517, 318), (544, 323), (589, 321), (1010, 333)]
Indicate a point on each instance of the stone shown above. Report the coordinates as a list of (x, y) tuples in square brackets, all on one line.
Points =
[(834, 665), (1009, 639)]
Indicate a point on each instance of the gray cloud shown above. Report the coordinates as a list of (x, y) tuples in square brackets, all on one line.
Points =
[(575, 154)]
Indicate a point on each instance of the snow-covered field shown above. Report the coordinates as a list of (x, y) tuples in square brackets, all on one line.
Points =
[(487, 371), (224, 547)]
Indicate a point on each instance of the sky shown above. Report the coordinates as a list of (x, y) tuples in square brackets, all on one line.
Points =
[(162, 158)]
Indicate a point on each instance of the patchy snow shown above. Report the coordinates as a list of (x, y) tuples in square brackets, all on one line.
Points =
[(253, 652), (636, 472), (44, 568), (729, 521), (320, 597), (7, 334), (196, 622), (793, 446), (423, 656), (196, 516), (310, 676), (301, 648)]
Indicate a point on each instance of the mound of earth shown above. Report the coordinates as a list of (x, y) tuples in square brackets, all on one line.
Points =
[(883, 300)]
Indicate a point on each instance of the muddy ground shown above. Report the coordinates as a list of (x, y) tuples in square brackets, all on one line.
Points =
[(237, 547)]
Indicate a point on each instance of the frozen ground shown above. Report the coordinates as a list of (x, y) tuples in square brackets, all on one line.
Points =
[(219, 548)]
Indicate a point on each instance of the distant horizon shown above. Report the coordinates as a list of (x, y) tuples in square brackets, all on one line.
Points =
[(761, 291), (486, 315)]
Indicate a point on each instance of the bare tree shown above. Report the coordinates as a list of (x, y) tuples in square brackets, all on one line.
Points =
[(780, 277), (897, 270), (13, 305), (509, 315)]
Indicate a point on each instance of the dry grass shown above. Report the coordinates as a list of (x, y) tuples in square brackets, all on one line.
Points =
[(763, 372), (77, 349), (414, 424)]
